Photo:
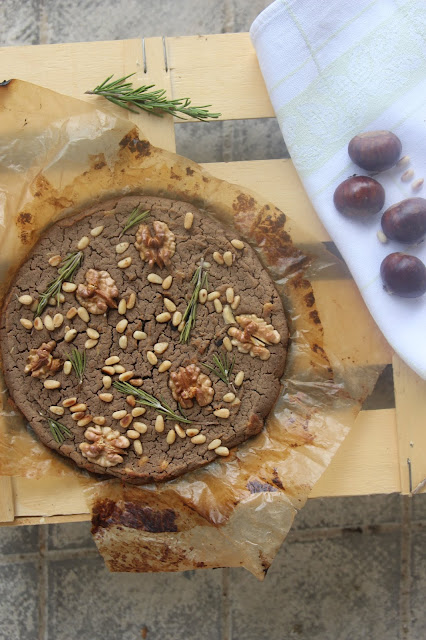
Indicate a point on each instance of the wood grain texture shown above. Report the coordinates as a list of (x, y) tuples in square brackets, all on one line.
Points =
[(7, 509)]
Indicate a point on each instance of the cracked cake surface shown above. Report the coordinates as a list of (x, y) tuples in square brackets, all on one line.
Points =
[(182, 332)]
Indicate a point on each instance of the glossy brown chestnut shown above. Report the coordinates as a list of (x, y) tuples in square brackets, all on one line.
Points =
[(375, 150), (403, 275), (359, 196), (405, 221)]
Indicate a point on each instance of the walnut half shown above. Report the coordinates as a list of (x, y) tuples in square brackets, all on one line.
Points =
[(187, 383), (41, 363), (255, 336), (106, 446), (99, 293), (158, 248)]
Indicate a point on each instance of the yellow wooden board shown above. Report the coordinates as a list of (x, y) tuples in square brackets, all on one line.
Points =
[(222, 70)]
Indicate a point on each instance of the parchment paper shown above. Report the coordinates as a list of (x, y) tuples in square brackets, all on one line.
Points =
[(58, 155)]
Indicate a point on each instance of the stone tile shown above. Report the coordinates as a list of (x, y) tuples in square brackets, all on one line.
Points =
[(88, 602), (19, 22), (419, 506), (257, 139), (200, 141), (73, 535), (418, 585), (18, 601), (349, 511), (245, 12), (18, 540), (121, 19), (328, 589)]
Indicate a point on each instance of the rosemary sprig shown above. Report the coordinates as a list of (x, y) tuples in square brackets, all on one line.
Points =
[(65, 274), (222, 368), (59, 430), (134, 218), (147, 400), (199, 281), (78, 361), (123, 94)]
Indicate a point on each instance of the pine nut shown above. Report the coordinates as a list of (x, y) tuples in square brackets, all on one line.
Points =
[(125, 263), (97, 231), (407, 176), (218, 305), (27, 324), (121, 247), (58, 411), (122, 343), (26, 300), (164, 366), (38, 324), (52, 302), (69, 287), (238, 244), (228, 316), (382, 237), (159, 424), (177, 318), (151, 357), (160, 347), (154, 278), (191, 432), (90, 343), (229, 293), (132, 434), (61, 297), (167, 282), (108, 370), (100, 420), (131, 401), (69, 402), (117, 415), (227, 344), (229, 397), (105, 397), (417, 184), (54, 260), (83, 314), (214, 444), (221, 413), (83, 243), (126, 376), (202, 296), (71, 313), (181, 326), (163, 317), (126, 421), (136, 382), (83, 422), (189, 219), (131, 300), (112, 360), (140, 427), (67, 368), (52, 384), (171, 437), (169, 304), (222, 451), (137, 445), (118, 368), (228, 258), (139, 335), (58, 319), (121, 326), (78, 407), (138, 411), (181, 432), (107, 382), (213, 295), (78, 416), (403, 162), (217, 257), (70, 335), (122, 307), (236, 302), (200, 439), (34, 306), (92, 333), (239, 379), (48, 323)]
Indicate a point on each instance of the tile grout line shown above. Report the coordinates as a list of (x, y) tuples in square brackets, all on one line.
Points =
[(405, 570), (227, 125), (43, 585), (226, 630)]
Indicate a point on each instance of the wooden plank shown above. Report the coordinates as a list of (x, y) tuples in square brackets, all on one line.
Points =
[(367, 461), (44, 497), (410, 400), (7, 509)]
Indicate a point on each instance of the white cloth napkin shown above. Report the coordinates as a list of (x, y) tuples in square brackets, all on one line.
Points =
[(333, 69)]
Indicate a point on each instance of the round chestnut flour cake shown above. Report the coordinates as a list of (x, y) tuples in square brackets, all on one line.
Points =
[(143, 339)]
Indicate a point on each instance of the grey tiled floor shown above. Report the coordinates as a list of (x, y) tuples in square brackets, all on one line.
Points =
[(351, 568)]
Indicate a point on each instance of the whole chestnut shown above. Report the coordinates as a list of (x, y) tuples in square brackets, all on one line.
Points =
[(375, 150), (359, 196), (405, 221), (403, 275)]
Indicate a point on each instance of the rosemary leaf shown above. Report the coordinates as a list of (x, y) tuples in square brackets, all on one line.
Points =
[(199, 281), (123, 94), (78, 361), (59, 431), (147, 400), (135, 218), (222, 368), (66, 273)]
